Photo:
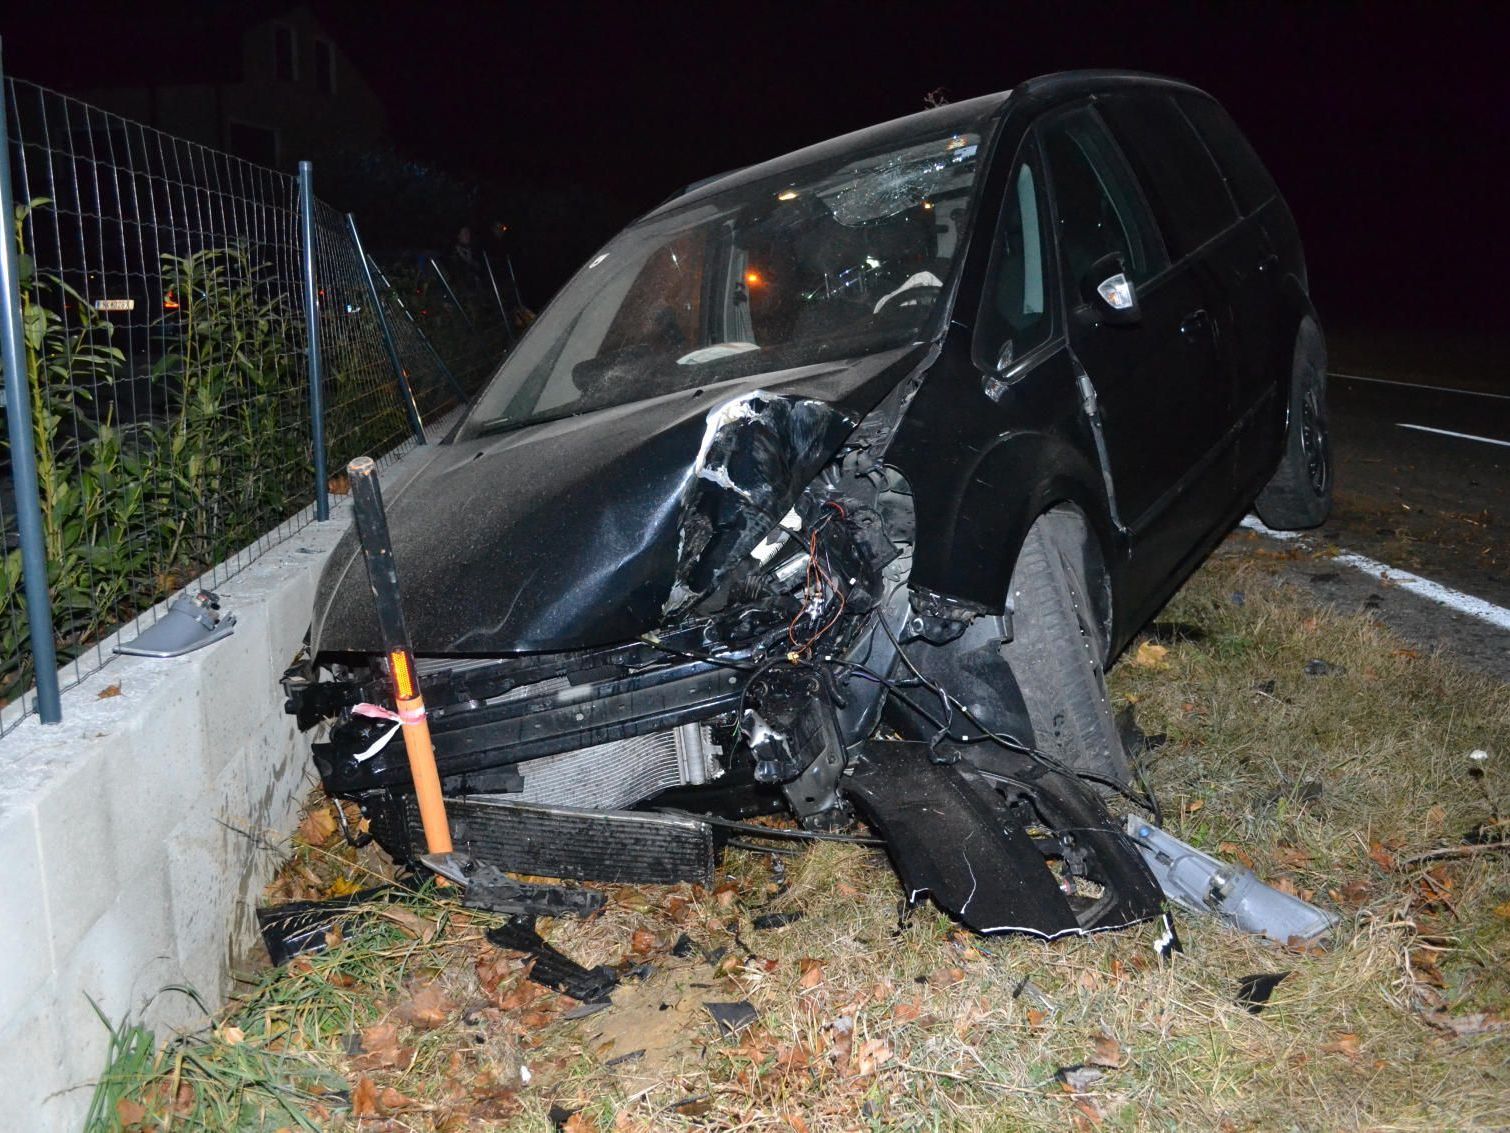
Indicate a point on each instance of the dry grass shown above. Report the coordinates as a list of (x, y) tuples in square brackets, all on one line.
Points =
[(1328, 784)]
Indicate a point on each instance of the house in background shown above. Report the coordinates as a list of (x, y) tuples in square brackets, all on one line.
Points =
[(265, 84)]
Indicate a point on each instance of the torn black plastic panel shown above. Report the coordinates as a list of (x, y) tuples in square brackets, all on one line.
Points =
[(979, 836)]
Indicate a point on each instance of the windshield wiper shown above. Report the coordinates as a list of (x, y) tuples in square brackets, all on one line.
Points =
[(509, 424)]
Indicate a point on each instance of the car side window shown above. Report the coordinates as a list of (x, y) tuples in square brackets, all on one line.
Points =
[(1187, 191), (1099, 209), (1246, 176), (1015, 316)]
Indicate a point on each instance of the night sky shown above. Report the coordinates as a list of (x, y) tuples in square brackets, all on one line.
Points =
[(1385, 127)]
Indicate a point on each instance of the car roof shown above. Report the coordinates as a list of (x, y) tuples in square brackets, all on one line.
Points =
[(954, 115)]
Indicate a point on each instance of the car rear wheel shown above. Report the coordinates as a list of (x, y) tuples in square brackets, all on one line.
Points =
[(1300, 494), (1057, 654)]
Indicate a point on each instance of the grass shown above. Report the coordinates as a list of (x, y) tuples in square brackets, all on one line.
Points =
[(1329, 785)]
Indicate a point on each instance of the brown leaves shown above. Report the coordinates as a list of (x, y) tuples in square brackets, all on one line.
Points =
[(944, 977), (108, 691), (381, 1049), (1150, 655), (364, 1098), (1108, 1053), (413, 925), (318, 827), (812, 973), (1346, 1043), (426, 1008), (1381, 856)]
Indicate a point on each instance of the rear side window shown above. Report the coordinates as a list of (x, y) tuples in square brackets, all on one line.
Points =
[(1246, 176), (1188, 193)]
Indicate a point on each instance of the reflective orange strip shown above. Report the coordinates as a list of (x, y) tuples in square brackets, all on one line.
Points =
[(402, 670)]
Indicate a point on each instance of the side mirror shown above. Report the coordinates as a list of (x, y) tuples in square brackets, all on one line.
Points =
[(1110, 293)]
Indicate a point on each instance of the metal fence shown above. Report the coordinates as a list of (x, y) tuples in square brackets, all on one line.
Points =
[(159, 288)]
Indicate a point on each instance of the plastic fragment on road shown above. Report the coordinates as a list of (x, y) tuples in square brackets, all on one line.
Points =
[(1204, 884), (192, 622)]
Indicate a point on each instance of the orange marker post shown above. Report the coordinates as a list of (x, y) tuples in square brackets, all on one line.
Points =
[(382, 574)]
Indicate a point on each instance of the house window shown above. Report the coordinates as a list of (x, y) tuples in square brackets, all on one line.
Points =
[(285, 54), (255, 143), (325, 67)]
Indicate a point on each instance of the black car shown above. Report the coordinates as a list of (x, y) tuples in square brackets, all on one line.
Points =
[(834, 484)]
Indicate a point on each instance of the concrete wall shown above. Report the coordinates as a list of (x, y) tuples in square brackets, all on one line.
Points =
[(136, 837)]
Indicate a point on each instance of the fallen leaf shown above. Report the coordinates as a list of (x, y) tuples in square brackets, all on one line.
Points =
[(812, 973), (642, 942), (390, 1099), (1036, 1017), (1194, 805), (1382, 857), (105, 694), (1109, 1053), (232, 1035), (1466, 1026), (907, 1012), (1151, 655), (1502, 911), (579, 1123), (1346, 1043), (427, 1007), (318, 826), (128, 1111), (364, 1098), (412, 924), (795, 1122), (943, 977)]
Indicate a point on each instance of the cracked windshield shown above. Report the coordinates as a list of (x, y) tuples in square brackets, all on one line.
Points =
[(836, 259)]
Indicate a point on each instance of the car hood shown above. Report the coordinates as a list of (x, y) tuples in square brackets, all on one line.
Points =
[(598, 528)]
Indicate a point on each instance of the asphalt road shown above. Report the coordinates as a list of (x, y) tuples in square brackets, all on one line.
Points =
[(1423, 485)]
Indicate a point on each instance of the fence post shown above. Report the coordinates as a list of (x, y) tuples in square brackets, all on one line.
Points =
[(455, 302), (23, 456), (419, 330), (400, 375), (508, 326), (312, 320)]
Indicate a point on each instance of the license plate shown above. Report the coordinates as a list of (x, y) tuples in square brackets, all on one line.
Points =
[(115, 305)]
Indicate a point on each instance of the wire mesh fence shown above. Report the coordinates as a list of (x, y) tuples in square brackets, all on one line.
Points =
[(160, 288)]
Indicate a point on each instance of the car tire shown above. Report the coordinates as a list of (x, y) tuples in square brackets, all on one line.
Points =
[(1300, 494), (1057, 655)]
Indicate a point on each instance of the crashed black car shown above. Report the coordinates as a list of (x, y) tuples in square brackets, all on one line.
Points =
[(832, 486)]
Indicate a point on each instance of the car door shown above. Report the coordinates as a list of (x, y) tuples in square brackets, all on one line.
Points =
[(1158, 380)]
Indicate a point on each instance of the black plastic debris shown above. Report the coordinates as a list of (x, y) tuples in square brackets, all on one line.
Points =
[(302, 928), (552, 969), (1253, 991), (776, 920), (732, 1017), (683, 948), (488, 887), (559, 1115), (1316, 667), (1135, 740)]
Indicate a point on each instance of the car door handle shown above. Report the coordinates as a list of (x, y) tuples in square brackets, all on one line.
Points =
[(1195, 323)]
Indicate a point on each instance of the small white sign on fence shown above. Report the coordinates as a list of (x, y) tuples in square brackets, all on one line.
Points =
[(115, 305)]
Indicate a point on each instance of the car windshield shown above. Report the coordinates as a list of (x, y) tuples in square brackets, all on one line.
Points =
[(835, 259)]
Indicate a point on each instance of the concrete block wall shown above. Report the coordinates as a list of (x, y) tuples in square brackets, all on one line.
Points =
[(136, 837)]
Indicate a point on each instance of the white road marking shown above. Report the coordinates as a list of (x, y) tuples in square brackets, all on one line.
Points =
[(1418, 385), (1450, 433), (1468, 604)]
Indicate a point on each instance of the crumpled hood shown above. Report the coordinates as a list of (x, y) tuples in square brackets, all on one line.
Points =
[(595, 529)]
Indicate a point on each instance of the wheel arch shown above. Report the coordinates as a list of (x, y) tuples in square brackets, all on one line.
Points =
[(1015, 481)]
